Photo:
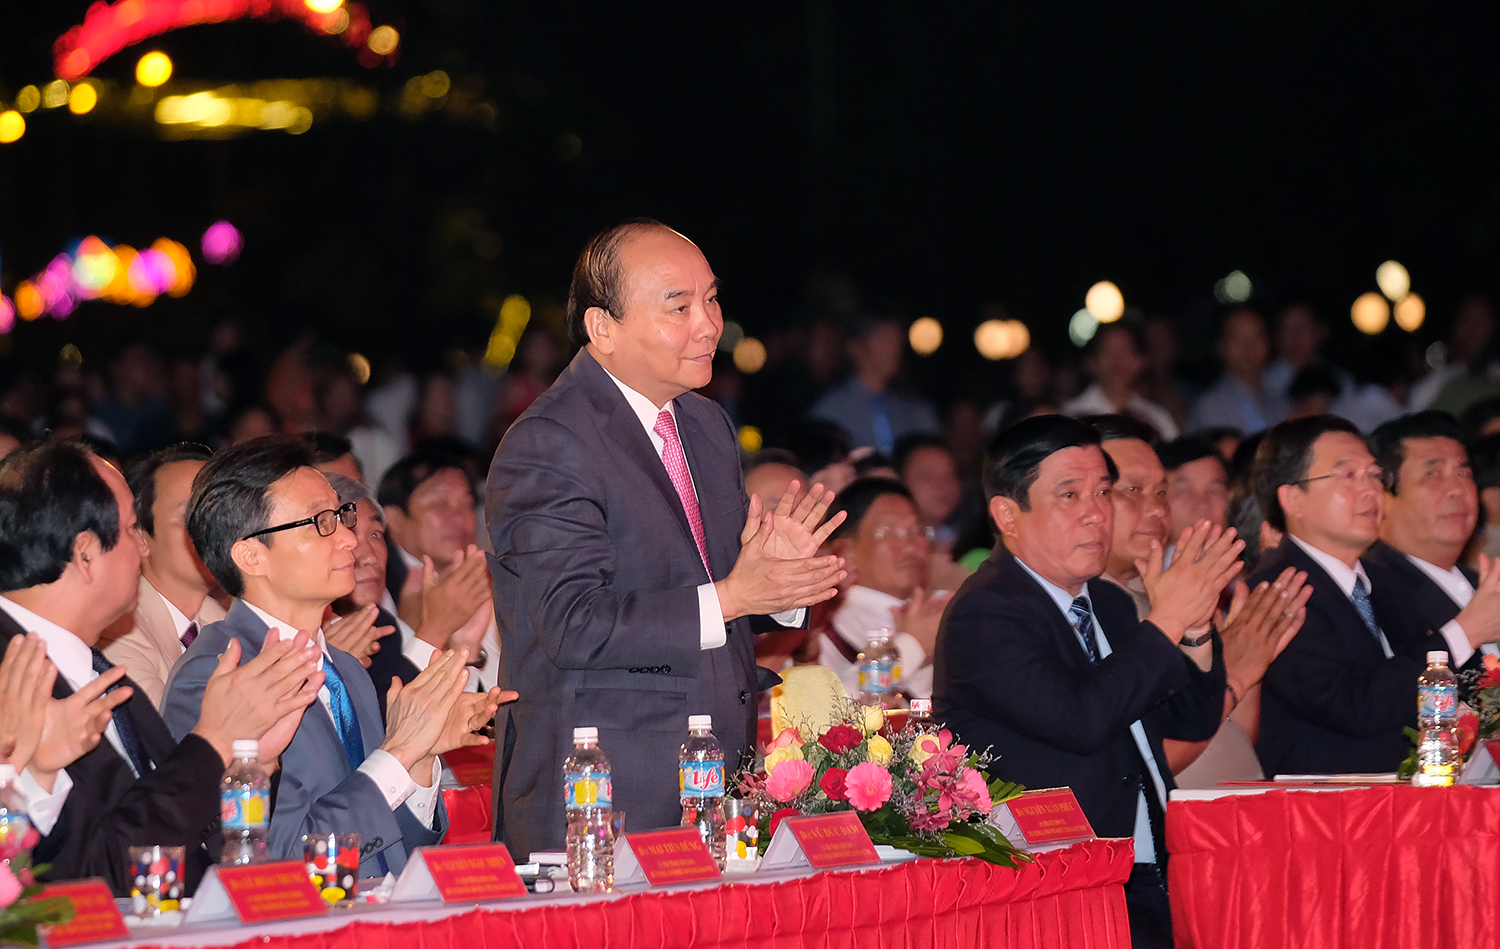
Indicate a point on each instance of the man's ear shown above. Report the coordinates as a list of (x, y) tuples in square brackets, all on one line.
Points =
[(599, 324), (1290, 497), (250, 556), (1003, 512), (86, 551)]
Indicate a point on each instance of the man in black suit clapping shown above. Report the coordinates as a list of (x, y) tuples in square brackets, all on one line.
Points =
[(1056, 673)]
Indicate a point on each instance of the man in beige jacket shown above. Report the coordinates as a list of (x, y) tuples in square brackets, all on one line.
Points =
[(174, 599)]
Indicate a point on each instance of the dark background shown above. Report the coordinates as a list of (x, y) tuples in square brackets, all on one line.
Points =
[(941, 156)]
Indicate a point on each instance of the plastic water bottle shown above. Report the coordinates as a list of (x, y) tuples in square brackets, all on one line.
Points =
[(14, 822), (879, 670), (919, 721), (588, 795), (1437, 720), (245, 807), (700, 780)]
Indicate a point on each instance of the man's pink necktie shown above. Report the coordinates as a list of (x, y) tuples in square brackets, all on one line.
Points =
[(677, 469)]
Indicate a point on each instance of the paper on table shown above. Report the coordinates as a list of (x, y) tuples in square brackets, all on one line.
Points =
[(1388, 777)]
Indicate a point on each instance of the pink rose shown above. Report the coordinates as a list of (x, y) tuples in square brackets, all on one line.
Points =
[(790, 779), (867, 786), (973, 782), (10, 887)]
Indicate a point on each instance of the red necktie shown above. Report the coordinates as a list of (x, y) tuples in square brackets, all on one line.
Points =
[(677, 469)]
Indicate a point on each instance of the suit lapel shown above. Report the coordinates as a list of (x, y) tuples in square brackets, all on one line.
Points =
[(1054, 621), (1344, 613)]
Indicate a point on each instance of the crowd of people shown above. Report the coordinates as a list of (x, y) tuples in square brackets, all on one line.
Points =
[(1131, 589)]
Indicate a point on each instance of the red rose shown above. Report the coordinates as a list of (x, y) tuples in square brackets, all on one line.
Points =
[(841, 738), (833, 783), (780, 816)]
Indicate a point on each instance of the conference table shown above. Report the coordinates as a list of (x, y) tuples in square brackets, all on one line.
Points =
[(1335, 868), (1066, 898)]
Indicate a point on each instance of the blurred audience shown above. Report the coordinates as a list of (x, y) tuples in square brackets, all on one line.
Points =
[(1115, 358), (1240, 400), (867, 406)]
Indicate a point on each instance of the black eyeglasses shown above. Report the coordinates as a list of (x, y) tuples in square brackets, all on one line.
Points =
[(325, 521)]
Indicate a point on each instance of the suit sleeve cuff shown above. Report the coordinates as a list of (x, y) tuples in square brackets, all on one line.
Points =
[(711, 633), (1459, 648), (791, 619), (423, 801), (394, 781), (42, 807), (420, 652)]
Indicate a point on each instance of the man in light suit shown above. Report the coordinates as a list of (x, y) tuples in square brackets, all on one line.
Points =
[(174, 601), (628, 559), (271, 529)]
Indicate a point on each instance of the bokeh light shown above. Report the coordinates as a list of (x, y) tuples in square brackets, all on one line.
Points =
[(12, 126), (1410, 312), (183, 271), (510, 323), (323, 6), (751, 440), (1105, 301), (1235, 288), (55, 94), (222, 243), (28, 300), (1370, 313), (359, 364), (28, 99), (731, 336), (153, 69), (1001, 339), (1393, 280), (925, 335), (750, 355), (83, 98), (384, 40), (7, 314), (1082, 327)]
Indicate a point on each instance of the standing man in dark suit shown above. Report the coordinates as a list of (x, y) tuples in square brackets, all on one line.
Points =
[(1431, 508), (70, 558), (272, 531), (628, 560), (1053, 670), (1338, 698)]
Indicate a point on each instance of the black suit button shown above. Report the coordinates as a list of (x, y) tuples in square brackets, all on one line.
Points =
[(666, 670), (744, 697)]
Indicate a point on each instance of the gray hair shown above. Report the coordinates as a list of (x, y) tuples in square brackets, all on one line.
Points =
[(351, 491)]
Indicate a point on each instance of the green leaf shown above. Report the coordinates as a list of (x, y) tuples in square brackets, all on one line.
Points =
[(964, 845)]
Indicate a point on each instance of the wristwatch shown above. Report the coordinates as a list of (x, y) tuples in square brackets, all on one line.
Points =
[(1193, 641)]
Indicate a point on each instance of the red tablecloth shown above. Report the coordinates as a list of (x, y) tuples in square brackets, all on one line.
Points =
[(471, 818), (1397, 867), (1069, 899)]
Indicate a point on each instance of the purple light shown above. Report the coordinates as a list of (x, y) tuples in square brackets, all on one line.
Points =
[(7, 314), (222, 243), (151, 273)]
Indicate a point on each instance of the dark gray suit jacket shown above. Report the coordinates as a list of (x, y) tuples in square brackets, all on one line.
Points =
[(319, 792), (595, 592)]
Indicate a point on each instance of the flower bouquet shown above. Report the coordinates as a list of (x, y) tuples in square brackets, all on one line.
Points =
[(21, 908), (916, 790), (1478, 715)]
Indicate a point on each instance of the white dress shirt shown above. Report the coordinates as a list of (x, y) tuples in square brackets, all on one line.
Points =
[(864, 610), (1344, 578), (1461, 591), (711, 632), (1145, 844), (1093, 401), (75, 663), (393, 780)]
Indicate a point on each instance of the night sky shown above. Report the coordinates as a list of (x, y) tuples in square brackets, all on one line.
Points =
[(942, 156)]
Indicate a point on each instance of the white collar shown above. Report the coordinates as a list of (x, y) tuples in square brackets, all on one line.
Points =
[(644, 408), (1338, 571), (865, 609), (1061, 597), (72, 656), (1450, 581)]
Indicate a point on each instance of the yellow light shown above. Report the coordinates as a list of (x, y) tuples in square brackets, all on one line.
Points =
[(82, 99), (182, 261), (1410, 312), (749, 355), (435, 85), (70, 355), (1393, 280), (1105, 301), (54, 94), (1002, 339), (28, 300), (118, 290), (1370, 313), (383, 40), (751, 440), (925, 335), (153, 69), (28, 98), (515, 313), (323, 6), (12, 126), (361, 366)]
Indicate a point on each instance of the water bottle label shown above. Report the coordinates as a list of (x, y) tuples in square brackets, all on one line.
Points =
[(1437, 702), (588, 790), (876, 677), (246, 809), (700, 779)]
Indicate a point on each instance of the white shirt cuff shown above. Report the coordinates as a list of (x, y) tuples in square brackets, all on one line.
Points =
[(790, 618), (711, 632), (394, 781), (43, 808), (1459, 649), (420, 652), (423, 801)]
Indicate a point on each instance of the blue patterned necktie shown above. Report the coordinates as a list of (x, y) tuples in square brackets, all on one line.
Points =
[(344, 720), (130, 739), (1362, 603), (1083, 620)]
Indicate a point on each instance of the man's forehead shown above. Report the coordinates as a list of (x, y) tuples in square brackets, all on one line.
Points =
[(1076, 462), (661, 260), (1423, 450), (305, 488), (1340, 447)]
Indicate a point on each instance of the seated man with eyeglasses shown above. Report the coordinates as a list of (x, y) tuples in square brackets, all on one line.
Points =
[(1336, 700), (271, 530), (885, 548)]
